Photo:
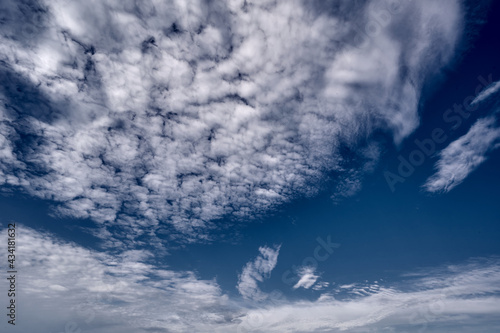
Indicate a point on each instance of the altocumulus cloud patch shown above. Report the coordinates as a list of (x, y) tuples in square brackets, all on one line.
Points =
[(172, 114)]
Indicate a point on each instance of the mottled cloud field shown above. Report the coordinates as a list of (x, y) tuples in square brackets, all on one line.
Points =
[(164, 116)]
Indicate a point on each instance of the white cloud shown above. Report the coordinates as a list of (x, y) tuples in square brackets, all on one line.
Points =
[(321, 285), (307, 278), (256, 271), (65, 282), (161, 117), (463, 298), (126, 292), (464, 155), (487, 93)]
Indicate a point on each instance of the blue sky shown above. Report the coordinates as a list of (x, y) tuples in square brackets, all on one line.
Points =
[(251, 166)]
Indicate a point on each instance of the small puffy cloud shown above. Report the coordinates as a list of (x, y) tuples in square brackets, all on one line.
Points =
[(307, 278), (464, 155), (256, 271)]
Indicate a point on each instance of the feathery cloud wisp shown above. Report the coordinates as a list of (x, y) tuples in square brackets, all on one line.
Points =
[(487, 93), (256, 271), (464, 155)]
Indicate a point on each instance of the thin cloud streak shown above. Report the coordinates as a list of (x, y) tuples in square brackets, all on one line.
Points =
[(487, 93), (464, 155)]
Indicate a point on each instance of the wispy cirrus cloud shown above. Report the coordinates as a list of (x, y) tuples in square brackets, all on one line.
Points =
[(128, 292), (158, 118), (464, 155), (487, 93), (256, 271)]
